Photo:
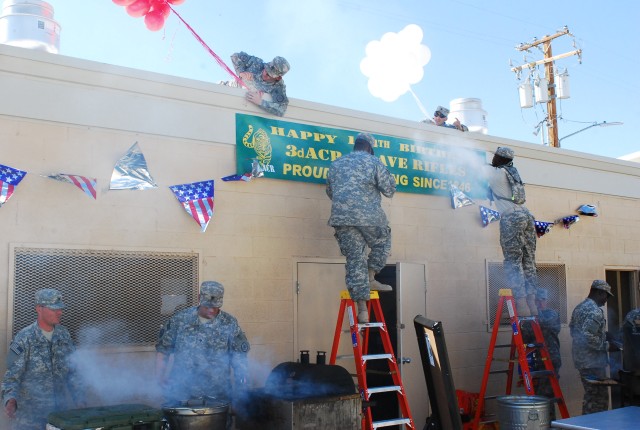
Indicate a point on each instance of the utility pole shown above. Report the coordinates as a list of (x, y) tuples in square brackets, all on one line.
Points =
[(552, 117)]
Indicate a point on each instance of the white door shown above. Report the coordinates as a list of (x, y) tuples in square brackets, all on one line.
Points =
[(411, 284), (318, 302)]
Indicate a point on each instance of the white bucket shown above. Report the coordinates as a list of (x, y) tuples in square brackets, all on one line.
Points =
[(470, 113), (523, 412), (29, 24)]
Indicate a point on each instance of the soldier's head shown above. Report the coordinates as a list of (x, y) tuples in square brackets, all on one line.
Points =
[(275, 69), (440, 115), (49, 306), (600, 291), (542, 298), (502, 156), (364, 142), (211, 295)]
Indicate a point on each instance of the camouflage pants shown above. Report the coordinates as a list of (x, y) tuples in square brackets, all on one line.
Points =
[(596, 397), (353, 241), (518, 242)]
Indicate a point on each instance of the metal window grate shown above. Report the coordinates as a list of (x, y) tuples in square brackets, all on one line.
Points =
[(550, 276), (113, 297)]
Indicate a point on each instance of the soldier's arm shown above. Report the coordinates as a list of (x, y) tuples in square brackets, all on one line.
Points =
[(385, 180), (16, 366)]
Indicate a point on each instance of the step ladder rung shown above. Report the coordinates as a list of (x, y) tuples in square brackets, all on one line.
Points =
[(392, 422), (369, 357), (377, 390), (342, 357), (496, 372), (371, 325)]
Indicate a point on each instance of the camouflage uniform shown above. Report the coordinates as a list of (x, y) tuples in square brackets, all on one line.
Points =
[(39, 375), (203, 355), (517, 236), (549, 321), (244, 62), (590, 353), (354, 184)]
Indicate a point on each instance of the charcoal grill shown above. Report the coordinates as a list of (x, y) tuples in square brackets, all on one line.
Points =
[(300, 396)]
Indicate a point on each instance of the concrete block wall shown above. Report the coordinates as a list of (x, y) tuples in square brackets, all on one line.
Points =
[(186, 131)]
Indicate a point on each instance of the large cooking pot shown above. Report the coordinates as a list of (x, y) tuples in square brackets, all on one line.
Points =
[(197, 414)]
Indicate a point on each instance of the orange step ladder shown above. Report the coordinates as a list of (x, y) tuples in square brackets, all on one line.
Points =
[(360, 344), (518, 352)]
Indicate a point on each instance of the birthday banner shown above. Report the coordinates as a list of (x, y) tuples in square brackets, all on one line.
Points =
[(303, 152)]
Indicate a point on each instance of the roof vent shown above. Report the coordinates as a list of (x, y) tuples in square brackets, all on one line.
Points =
[(29, 24)]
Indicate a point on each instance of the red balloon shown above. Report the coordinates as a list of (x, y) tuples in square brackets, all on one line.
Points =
[(138, 8), (154, 20), (157, 3), (163, 8), (123, 2), (176, 2)]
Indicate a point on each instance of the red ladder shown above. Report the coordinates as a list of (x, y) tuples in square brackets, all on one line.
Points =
[(518, 351), (361, 357)]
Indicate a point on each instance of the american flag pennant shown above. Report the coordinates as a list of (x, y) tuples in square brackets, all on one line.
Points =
[(246, 177), (9, 180), (543, 227), (458, 198), (488, 215), (197, 200), (88, 185), (568, 220)]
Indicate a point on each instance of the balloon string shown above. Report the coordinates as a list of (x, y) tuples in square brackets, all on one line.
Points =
[(217, 58)]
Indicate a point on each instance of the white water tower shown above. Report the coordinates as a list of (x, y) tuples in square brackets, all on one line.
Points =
[(29, 24), (470, 113)]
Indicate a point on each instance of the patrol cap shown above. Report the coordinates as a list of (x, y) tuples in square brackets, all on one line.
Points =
[(542, 294), (443, 110), (505, 152), (211, 294), (50, 298), (367, 138), (599, 284), (277, 67)]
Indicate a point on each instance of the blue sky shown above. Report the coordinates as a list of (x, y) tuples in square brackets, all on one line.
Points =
[(471, 44)]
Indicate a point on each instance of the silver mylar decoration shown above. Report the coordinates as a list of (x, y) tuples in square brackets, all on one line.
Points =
[(131, 173)]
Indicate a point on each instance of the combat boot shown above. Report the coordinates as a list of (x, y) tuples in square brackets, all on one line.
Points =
[(522, 307), (363, 312), (375, 285), (531, 304)]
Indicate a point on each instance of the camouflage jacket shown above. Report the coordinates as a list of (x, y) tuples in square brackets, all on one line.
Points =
[(354, 184), (589, 338), (204, 354), (630, 318), (39, 373), (277, 91), (549, 321)]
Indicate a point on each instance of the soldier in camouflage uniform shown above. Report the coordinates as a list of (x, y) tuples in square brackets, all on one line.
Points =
[(266, 87), (354, 184), (40, 378), (590, 346), (206, 343), (549, 321), (517, 233)]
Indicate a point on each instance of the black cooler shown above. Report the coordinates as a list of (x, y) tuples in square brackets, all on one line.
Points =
[(116, 417)]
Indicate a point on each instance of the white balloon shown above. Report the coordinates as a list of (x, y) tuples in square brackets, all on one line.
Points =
[(395, 62)]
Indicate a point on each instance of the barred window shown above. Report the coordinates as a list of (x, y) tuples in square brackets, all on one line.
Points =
[(551, 276), (113, 297)]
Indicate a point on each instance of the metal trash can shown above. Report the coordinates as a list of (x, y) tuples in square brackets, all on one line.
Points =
[(523, 412)]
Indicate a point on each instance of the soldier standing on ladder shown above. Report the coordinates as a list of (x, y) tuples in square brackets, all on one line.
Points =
[(517, 230), (354, 184)]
